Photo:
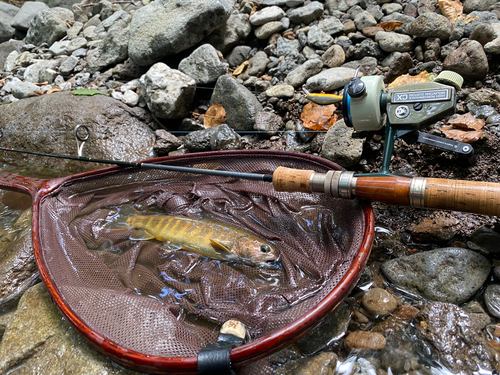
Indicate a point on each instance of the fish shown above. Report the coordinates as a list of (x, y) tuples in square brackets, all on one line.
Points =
[(206, 237)]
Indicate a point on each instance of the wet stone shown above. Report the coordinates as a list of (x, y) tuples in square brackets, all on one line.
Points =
[(332, 329), (364, 340), (379, 302), (224, 138), (439, 229), (448, 329), (447, 275), (486, 240), (492, 299), (268, 123), (322, 364)]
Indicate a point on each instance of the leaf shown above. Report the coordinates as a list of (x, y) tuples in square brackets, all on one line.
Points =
[(467, 122), (88, 92), (390, 25), (452, 9), (464, 128), (214, 116), (318, 117), (465, 136), (55, 89), (406, 79), (240, 69)]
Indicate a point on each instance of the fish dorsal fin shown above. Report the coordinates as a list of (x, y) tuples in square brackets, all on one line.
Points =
[(220, 248)]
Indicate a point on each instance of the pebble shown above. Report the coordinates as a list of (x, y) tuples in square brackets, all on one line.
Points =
[(378, 302), (364, 340)]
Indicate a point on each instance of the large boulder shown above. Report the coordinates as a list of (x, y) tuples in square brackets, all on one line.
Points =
[(240, 104), (49, 26), (22, 19), (168, 92), (6, 31), (112, 50), (46, 124), (6, 48), (164, 27)]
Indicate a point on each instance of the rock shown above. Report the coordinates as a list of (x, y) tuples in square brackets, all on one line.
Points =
[(57, 115), (318, 39), (367, 48), (331, 26), (22, 19), (399, 66), (364, 341), (256, 65), (163, 28), (334, 56), (439, 229), (340, 147), (394, 42), (203, 65), (77, 44), (268, 29), (475, 18), (468, 60), (8, 9), (364, 19), (240, 104), (165, 142), (24, 90), (224, 138), (60, 47), (280, 91), (61, 3), (299, 75), (330, 330), (268, 123), (448, 330), (130, 98), (430, 24), (307, 13), (6, 31), (236, 28), (378, 302), (6, 48), (479, 318), (48, 26), (38, 336), (238, 56), (322, 364), (330, 79), (18, 269), (448, 275), (494, 45), (113, 50), (42, 71), (168, 92), (485, 240), (477, 5), (492, 299), (265, 15)]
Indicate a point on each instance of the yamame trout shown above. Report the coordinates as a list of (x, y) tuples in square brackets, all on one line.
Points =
[(207, 237)]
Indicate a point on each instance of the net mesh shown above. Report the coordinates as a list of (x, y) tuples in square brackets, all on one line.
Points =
[(153, 298)]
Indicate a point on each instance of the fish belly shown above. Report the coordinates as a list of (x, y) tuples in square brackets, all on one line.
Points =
[(190, 234)]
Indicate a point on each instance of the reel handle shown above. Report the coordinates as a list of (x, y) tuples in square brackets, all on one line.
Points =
[(419, 192)]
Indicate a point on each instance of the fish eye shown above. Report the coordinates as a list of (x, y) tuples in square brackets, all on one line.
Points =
[(265, 248)]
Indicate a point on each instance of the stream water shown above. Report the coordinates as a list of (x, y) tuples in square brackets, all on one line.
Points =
[(403, 353)]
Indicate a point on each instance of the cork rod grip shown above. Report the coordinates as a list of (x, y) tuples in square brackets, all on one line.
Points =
[(287, 179), (467, 196)]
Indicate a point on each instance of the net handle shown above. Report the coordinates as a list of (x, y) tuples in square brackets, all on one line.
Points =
[(23, 184)]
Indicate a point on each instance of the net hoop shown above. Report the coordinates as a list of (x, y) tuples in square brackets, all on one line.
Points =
[(240, 356)]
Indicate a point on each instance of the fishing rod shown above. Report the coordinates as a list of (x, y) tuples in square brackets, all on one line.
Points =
[(419, 192)]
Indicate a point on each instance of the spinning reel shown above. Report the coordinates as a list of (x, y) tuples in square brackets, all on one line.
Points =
[(403, 110)]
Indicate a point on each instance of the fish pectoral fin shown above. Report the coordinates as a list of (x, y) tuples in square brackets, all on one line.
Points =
[(220, 248), (142, 235)]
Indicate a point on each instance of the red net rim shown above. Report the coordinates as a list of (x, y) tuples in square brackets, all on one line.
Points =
[(242, 355)]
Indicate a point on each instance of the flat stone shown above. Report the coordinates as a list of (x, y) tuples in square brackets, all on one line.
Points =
[(448, 275), (364, 340)]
